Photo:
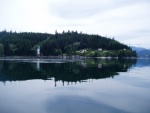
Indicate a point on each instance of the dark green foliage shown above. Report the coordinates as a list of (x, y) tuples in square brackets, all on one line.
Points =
[(25, 44), (21, 43), (106, 53)]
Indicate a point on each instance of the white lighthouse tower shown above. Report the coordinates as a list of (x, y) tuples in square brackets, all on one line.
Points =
[(38, 51)]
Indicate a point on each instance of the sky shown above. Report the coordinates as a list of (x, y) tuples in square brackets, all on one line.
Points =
[(128, 21)]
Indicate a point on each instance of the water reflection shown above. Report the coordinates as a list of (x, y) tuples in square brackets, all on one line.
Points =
[(127, 92), (81, 71), (38, 64), (75, 105)]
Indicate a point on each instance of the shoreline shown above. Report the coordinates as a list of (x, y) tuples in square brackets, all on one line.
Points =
[(64, 57)]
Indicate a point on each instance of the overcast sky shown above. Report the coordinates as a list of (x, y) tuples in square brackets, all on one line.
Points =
[(126, 20)]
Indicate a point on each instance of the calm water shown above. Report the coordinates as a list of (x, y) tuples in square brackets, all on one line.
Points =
[(86, 86)]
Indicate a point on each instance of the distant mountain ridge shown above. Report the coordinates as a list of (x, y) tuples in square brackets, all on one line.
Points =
[(141, 52), (137, 48)]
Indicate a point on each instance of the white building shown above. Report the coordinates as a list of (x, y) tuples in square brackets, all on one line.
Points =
[(99, 49), (83, 51), (38, 51)]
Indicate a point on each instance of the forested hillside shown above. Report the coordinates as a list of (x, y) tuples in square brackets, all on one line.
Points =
[(25, 44), (12, 43)]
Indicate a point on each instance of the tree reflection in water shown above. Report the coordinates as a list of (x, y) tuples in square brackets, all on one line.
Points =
[(70, 72)]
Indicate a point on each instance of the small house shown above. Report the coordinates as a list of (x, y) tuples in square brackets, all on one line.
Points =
[(83, 51), (99, 49)]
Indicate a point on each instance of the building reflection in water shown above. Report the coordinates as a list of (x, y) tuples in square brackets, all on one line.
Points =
[(38, 64), (83, 63), (99, 66)]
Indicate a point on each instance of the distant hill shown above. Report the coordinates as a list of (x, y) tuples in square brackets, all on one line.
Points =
[(141, 52), (69, 43), (137, 48)]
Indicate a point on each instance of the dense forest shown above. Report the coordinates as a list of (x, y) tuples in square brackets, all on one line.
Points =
[(69, 43)]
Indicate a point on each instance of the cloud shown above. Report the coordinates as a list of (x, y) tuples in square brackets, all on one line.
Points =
[(23, 14), (76, 9)]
